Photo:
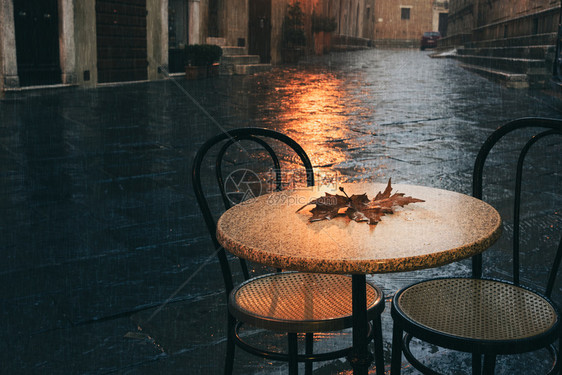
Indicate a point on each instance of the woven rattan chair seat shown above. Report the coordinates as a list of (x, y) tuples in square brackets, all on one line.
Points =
[(477, 309), (298, 302)]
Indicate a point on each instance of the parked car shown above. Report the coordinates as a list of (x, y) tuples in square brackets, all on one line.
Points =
[(429, 39)]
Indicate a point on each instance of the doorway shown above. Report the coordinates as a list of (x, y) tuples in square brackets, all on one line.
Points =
[(178, 16), (443, 20), (259, 30), (121, 40), (36, 25)]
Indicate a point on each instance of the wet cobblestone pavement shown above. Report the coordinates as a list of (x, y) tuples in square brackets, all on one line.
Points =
[(105, 260)]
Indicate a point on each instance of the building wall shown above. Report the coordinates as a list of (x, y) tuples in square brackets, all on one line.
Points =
[(278, 9), (9, 70), (369, 20), (78, 43), (67, 45), (514, 18), (390, 27), (462, 17), (351, 18), (496, 19), (157, 37), (501, 10), (440, 7), (234, 21), (85, 43), (202, 6)]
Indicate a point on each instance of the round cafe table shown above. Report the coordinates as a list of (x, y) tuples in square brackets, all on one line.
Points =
[(447, 227)]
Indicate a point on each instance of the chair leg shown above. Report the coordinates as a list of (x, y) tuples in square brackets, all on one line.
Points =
[(396, 360), (476, 364), (559, 353), (293, 354), (230, 347), (379, 353), (489, 364), (309, 349)]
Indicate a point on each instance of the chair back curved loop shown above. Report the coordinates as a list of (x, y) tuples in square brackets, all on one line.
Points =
[(227, 139), (220, 178), (226, 146), (553, 127)]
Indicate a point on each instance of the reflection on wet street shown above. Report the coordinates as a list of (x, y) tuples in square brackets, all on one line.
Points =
[(106, 264)]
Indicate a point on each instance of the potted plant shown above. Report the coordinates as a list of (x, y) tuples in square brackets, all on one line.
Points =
[(294, 38), (201, 60), (322, 28)]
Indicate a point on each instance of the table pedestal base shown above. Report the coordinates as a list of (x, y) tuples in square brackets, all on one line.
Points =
[(360, 357)]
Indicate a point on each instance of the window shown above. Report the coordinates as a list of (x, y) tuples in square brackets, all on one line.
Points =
[(405, 13)]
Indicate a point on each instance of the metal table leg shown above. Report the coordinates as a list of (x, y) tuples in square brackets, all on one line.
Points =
[(360, 357)]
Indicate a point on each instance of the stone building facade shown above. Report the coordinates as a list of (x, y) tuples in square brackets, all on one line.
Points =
[(510, 41), (478, 20), (92, 42), (401, 23), (86, 42)]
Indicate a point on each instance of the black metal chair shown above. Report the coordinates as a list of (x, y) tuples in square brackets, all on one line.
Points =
[(288, 302), (483, 316)]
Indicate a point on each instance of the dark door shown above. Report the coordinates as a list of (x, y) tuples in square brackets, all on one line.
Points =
[(121, 40), (259, 33), (177, 34), (214, 18), (443, 19), (37, 41)]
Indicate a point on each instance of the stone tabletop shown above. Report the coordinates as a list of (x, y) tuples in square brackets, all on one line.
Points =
[(447, 227)]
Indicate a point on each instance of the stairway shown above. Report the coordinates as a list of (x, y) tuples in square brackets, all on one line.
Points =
[(518, 62), (236, 61)]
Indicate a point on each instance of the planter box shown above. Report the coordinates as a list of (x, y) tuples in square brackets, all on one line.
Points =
[(327, 42), (292, 55), (199, 72), (195, 72), (322, 42), (213, 70)]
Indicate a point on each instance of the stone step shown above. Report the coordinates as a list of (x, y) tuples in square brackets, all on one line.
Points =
[(507, 64), (521, 52), (528, 40), (231, 50), (235, 60), (251, 69), (539, 80), (240, 59), (517, 81)]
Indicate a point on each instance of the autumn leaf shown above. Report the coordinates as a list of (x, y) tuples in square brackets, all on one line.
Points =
[(327, 207), (358, 207)]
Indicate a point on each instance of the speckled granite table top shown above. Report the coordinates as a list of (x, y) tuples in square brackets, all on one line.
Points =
[(445, 228)]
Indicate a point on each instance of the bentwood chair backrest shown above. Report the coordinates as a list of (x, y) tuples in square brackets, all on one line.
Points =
[(494, 316), (266, 140), (545, 128)]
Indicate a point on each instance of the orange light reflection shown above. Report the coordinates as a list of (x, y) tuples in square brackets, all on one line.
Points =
[(311, 110)]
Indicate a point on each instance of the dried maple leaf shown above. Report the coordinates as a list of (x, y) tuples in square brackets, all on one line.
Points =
[(358, 207), (327, 207)]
